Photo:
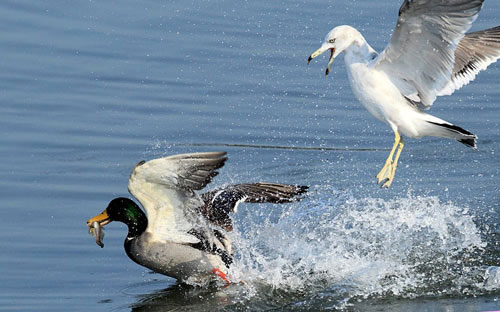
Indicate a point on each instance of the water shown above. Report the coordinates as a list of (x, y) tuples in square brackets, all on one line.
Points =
[(90, 88)]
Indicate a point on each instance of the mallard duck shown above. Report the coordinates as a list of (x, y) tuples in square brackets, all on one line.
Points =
[(184, 234)]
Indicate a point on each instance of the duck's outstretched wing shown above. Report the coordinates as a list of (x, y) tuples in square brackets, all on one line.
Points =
[(219, 203), (165, 188), (420, 57), (475, 52)]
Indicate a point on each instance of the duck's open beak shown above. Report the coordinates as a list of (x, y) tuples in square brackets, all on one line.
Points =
[(95, 225), (102, 219), (320, 51)]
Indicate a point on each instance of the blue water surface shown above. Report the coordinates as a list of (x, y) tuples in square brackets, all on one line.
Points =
[(89, 88)]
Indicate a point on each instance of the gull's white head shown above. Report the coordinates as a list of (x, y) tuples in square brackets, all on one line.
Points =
[(337, 40)]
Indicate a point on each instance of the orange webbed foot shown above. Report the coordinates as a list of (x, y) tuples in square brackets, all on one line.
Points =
[(222, 275)]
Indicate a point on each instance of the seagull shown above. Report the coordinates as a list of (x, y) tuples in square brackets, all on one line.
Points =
[(430, 55), (184, 233)]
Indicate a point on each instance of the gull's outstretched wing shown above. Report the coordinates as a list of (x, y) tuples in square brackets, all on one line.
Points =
[(165, 188), (474, 53), (421, 54), (221, 202)]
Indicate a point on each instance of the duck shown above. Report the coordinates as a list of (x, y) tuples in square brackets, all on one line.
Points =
[(184, 234)]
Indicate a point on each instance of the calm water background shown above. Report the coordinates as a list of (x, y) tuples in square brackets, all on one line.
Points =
[(89, 88)]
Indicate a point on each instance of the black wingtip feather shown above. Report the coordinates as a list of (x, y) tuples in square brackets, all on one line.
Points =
[(469, 138), (471, 142)]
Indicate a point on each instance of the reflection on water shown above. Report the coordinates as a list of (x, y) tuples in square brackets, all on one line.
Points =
[(187, 298)]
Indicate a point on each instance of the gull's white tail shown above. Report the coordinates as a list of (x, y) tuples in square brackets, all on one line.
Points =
[(440, 128)]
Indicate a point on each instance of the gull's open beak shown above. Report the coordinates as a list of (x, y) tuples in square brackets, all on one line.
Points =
[(102, 219), (320, 51)]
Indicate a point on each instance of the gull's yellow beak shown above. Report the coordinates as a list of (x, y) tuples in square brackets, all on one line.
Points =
[(320, 51), (102, 219)]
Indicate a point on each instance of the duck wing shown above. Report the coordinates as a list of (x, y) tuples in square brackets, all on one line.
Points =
[(219, 203), (165, 188)]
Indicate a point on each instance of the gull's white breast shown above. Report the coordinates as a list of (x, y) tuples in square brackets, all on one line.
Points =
[(381, 97)]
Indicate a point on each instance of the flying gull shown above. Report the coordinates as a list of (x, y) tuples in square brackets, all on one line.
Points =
[(429, 55)]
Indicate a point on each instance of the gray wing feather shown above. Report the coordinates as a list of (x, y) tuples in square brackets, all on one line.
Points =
[(421, 54), (196, 170), (475, 52), (221, 202), (165, 188), (182, 172)]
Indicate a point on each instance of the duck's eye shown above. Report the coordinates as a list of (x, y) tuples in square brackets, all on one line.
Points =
[(331, 41)]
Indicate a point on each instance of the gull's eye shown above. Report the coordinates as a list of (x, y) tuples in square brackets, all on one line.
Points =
[(331, 41)]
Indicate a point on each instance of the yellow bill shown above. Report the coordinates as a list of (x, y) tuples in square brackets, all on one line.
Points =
[(320, 51)]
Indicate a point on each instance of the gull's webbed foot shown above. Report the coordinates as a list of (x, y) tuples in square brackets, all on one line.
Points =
[(387, 174)]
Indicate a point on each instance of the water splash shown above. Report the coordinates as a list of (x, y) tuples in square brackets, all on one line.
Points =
[(343, 248)]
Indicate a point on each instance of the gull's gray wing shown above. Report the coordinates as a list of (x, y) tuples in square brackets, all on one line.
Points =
[(421, 54), (165, 188), (474, 53), (221, 202)]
